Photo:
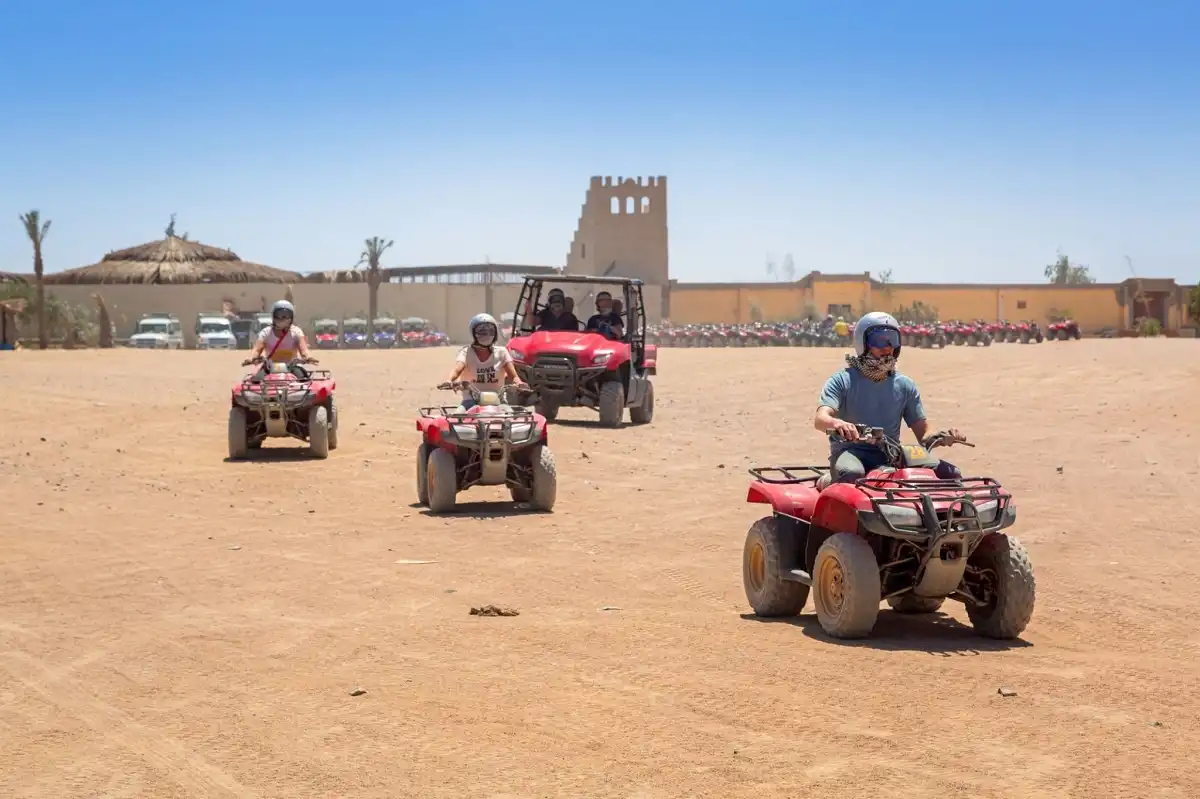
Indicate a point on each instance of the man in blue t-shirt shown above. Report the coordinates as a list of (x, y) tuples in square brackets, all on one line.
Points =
[(870, 392)]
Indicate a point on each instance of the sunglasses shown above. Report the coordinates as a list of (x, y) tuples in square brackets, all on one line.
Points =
[(882, 337)]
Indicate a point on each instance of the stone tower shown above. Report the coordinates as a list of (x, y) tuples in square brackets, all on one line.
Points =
[(623, 231)]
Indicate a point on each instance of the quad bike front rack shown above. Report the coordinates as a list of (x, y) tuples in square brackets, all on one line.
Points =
[(962, 496)]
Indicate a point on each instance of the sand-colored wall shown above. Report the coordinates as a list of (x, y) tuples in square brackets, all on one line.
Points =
[(449, 306), (1094, 307)]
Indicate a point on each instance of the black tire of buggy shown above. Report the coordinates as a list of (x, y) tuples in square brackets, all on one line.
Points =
[(644, 413), (612, 403)]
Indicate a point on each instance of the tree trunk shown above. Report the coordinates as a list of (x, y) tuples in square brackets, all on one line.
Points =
[(43, 333), (374, 277)]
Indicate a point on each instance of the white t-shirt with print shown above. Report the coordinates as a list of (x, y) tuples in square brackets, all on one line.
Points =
[(288, 348), (487, 374)]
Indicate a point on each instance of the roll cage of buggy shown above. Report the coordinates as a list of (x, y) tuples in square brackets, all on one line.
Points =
[(585, 368)]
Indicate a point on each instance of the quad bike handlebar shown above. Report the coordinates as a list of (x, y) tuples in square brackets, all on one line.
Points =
[(258, 359), (506, 392), (894, 449)]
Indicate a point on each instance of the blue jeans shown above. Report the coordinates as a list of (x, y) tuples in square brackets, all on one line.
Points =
[(853, 465), (468, 403)]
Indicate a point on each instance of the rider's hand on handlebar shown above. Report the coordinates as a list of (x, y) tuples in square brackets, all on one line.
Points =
[(844, 429)]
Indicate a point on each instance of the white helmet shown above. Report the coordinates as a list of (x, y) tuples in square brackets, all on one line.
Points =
[(481, 319), (870, 322), (284, 306)]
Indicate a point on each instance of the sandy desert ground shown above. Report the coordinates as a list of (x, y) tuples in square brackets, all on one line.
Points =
[(172, 625)]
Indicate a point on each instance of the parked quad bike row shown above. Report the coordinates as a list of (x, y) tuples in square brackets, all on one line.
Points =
[(900, 534), (326, 339), (807, 334)]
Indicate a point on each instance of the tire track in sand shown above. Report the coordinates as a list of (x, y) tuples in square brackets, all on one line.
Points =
[(188, 770)]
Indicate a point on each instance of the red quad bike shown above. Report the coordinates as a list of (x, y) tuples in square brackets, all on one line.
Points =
[(900, 534), (1063, 330), (587, 369), (283, 400), (490, 444), (1028, 332)]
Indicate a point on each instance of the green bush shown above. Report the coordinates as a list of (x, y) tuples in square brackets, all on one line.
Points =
[(61, 316), (1149, 327)]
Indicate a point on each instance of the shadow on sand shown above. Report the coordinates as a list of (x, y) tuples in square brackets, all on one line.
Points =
[(274, 455), (481, 510), (932, 633)]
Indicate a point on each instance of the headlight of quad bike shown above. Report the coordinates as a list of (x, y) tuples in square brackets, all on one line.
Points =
[(901, 515), (465, 432), (601, 357), (987, 511), (517, 355)]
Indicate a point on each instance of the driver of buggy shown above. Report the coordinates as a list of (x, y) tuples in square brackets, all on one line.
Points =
[(486, 363), (282, 341), (606, 321), (869, 391), (556, 316)]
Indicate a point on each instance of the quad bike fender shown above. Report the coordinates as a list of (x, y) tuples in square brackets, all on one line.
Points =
[(837, 508), (542, 430), (795, 500), (432, 431)]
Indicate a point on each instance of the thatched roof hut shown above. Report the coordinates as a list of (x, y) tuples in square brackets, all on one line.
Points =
[(338, 276), (173, 260)]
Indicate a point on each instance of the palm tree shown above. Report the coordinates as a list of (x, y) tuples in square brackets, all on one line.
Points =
[(373, 251), (36, 230)]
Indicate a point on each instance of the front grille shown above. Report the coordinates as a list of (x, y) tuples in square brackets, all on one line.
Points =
[(554, 372)]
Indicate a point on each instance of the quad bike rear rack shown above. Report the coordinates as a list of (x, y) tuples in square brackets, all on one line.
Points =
[(791, 475)]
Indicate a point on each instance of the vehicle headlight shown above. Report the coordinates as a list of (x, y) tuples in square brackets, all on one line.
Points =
[(517, 355), (601, 357)]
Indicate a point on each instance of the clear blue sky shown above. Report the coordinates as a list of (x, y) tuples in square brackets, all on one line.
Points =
[(961, 141)]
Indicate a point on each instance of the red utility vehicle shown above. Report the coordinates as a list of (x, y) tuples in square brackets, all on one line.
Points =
[(592, 369)]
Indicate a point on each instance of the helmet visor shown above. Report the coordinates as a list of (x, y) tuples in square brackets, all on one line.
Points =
[(880, 337)]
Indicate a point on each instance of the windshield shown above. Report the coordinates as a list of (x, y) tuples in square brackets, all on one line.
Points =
[(214, 327), (356, 328), (326, 329), (414, 327), (152, 327), (386, 327), (581, 300)]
